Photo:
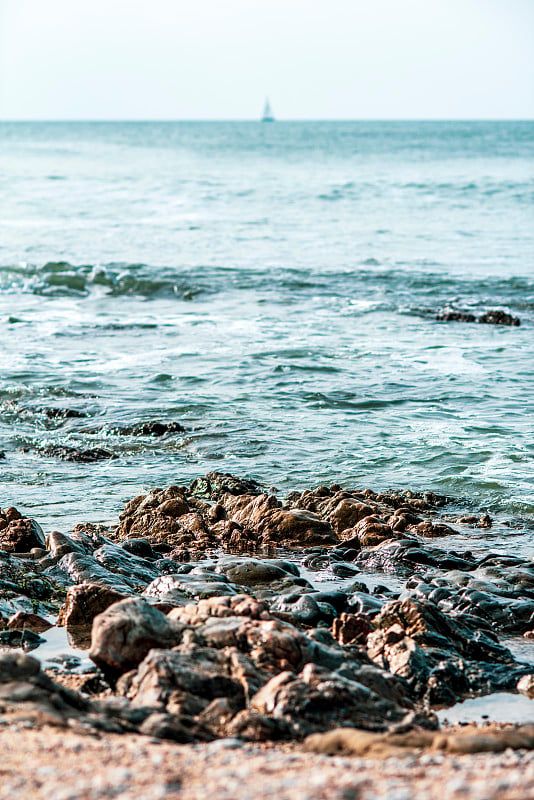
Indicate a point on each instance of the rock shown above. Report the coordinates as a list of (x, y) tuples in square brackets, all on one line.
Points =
[(156, 429), (317, 700), (494, 317), (371, 531), (123, 634), (24, 638), (440, 658), (19, 534), (83, 603), (347, 513), (24, 620), (180, 589), (15, 666), (526, 685), (451, 315), (83, 456), (252, 572), (139, 547), (76, 568), (352, 628), (263, 515), (183, 683), (137, 571), (216, 484), (62, 413), (59, 545)]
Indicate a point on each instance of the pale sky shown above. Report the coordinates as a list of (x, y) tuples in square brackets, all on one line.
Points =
[(218, 59)]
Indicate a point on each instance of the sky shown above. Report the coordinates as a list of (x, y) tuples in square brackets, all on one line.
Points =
[(219, 59)]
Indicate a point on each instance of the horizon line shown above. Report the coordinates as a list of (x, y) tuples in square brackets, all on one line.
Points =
[(258, 120)]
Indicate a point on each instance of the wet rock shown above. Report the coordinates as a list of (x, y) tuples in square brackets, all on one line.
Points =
[(441, 658), (316, 700), (347, 513), (123, 634), (139, 547), (496, 317), (371, 531), (451, 315), (216, 484), (76, 568), (25, 638), (343, 570), (156, 429), (181, 588), (117, 560), (303, 609), (183, 683), (252, 572), (404, 556), (19, 534), (76, 454), (83, 603), (168, 518), (24, 620), (61, 413), (59, 545), (352, 628), (271, 524)]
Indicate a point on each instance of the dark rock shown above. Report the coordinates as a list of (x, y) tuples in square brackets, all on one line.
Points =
[(156, 429), (495, 317), (25, 638), (62, 413), (66, 453), (252, 572), (183, 683), (139, 547), (216, 484), (318, 700), (77, 568), (451, 315)]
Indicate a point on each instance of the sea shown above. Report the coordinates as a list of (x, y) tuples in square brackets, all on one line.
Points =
[(275, 290)]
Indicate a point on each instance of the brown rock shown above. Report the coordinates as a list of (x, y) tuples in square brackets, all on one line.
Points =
[(123, 635), (24, 620), (348, 513), (83, 603), (19, 534), (372, 530), (351, 628)]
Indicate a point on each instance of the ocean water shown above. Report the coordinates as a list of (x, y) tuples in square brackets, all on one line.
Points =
[(273, 289)]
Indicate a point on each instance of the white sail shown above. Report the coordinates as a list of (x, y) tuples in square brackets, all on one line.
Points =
[(268, 115)]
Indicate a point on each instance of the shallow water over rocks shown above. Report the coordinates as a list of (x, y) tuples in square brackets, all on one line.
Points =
[(293, 633)]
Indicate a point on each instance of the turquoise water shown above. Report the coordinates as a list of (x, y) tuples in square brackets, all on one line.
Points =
[(274, 290)]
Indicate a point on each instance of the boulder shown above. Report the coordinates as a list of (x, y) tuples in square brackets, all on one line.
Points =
[(19, 534), (123, 634)]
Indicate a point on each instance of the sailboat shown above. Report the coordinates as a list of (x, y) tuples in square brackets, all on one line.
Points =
[(268, 115)]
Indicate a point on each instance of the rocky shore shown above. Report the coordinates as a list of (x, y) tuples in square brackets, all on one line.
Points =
[(205, 627)]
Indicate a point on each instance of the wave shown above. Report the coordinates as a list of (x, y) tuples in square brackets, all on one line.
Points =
[(59, 278), (416, 288)]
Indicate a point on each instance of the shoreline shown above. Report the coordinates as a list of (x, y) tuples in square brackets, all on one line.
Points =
[(241, 631)]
